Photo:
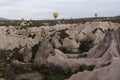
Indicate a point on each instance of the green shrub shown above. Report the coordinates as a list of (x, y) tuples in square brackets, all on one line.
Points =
[(85, 67), (57, 74), (63, 34), (52, 73), (18, 56), (42, 69), (21, 70), (86, 45), (55, 77)]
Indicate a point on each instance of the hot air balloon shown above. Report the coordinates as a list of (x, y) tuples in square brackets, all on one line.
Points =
[(96, 15), (55, 15)]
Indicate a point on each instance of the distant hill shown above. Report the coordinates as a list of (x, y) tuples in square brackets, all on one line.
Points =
[(3, 19)]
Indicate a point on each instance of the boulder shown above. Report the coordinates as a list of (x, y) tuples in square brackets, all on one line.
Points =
[(58, 60), (59, 53), (70, 45)]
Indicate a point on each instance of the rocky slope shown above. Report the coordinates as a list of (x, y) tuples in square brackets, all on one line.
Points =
[(92, 46)]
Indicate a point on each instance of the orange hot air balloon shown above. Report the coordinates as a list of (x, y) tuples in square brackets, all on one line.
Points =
[(55, 15)]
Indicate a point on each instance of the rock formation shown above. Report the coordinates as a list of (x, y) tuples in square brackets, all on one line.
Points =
[(27, 53), (110, 72), (55, 41), (44, 50), (69, 48), (108, 47)]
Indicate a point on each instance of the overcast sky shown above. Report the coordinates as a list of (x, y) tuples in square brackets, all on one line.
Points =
[(44, 9)]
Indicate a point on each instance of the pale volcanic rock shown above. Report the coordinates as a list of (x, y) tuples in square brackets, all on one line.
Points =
[(27, 54), (70, 45), (55, 41), (44, 50), (110, 72), (12, 37), (58, 60), (109, 46)]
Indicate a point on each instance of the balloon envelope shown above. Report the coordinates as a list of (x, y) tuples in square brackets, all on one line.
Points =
[(55, 15), (96, 15)]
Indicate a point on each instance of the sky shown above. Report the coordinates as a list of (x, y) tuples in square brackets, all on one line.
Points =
[(44, 9)]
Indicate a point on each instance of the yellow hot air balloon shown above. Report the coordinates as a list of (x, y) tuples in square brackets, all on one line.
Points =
[(55, 15), (96, 15)]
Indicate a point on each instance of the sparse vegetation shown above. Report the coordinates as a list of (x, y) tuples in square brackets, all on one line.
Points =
[(56, 77), (21, 70), (63, 34), (85, 67), (86, 45), (38, 23), (41, 69), (18, 56), (54, 73)]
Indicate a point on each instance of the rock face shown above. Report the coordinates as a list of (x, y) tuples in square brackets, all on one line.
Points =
[(98, 35), (44, 50), (106, 56), (27, 53), (55, 41), (110, 72), (58, 60), (108, 47), (99, 26)]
